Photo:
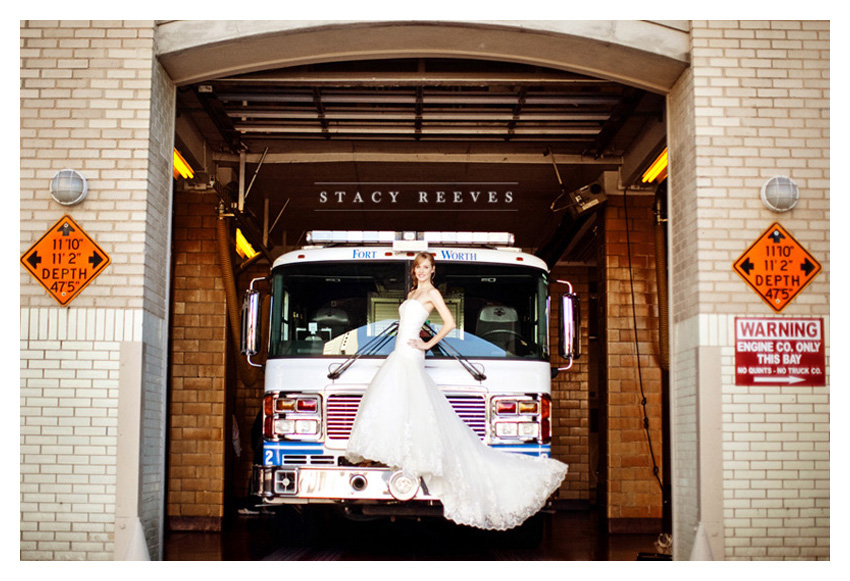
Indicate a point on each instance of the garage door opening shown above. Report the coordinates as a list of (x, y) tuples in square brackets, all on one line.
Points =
[(424, 144)]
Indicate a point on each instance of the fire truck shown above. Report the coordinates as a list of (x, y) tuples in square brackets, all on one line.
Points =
[(332, 320)]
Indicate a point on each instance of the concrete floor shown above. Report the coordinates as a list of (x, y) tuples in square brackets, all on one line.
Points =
[(567, 536)]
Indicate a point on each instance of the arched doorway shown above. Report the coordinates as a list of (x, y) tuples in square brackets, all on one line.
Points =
[(628, 70), (645, 54)]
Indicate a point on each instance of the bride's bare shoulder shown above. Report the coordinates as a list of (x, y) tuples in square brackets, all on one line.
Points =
[(434, 295)]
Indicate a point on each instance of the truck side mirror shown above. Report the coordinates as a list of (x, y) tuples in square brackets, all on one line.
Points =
[(251, 335), (568, 328)]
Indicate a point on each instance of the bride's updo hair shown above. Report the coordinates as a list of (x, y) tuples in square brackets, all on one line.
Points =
[(419, 259)]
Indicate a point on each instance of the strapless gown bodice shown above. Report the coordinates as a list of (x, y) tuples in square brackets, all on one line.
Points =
[(412, 315)]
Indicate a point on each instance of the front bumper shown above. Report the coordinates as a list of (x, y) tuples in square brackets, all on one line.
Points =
[(307, 484)]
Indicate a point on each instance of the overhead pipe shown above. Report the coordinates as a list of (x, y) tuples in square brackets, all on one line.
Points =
[(664, 351), (661, 278), (249, 375), (240, 204), (244, 196)]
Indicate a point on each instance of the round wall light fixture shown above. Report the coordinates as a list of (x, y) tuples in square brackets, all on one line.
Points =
[(780, 194), (69, 187)]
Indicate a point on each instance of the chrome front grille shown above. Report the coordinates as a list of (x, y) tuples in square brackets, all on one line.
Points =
[(472, 410), (342, 408)]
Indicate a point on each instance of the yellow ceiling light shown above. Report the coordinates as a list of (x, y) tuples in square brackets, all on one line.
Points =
[(658, 169), (243, 247), (182, 167)]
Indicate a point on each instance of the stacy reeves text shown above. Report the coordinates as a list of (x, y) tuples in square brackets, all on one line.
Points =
[(389, 197)]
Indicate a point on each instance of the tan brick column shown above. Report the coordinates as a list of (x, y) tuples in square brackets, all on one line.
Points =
[(198, 373), (751, 464), (632, 364), (94, 99)]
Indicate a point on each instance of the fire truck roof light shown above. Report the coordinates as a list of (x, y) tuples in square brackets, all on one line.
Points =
[(410, 240), (349, 237)]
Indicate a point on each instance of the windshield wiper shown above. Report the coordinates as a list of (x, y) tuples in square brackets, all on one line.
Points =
[(373, 346), (464, 362), (378, 341)]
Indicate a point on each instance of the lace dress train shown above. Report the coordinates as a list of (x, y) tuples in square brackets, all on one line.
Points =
[(406, 422)]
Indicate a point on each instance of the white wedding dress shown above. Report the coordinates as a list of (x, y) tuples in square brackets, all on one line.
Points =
[(406, 422)]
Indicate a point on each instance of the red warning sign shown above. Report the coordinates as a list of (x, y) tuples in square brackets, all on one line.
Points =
[(779, 351), (777, 267), (65, 260)]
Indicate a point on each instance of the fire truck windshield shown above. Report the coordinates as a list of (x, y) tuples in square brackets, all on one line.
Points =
[(334, 309)]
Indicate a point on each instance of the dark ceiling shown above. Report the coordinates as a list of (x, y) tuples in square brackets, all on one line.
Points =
[(372, 144)]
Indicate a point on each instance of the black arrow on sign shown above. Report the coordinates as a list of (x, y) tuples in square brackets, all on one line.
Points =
[(807, 267), (34, 259), (777, 236), (65, 229), (747, 266), (95, 259)]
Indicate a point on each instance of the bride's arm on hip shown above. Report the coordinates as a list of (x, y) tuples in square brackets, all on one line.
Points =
[(448, 322)]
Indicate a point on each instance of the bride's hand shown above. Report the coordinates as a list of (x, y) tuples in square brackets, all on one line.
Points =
[(418, 343)]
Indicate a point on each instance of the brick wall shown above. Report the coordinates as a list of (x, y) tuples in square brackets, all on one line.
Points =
[(154, 405), (92, 99), (754, 105), (632, 369), (210, 405), (570, 393), (682, 188), (776, 107), (69, 394), (198, 374), (85, 104), (761, 106)]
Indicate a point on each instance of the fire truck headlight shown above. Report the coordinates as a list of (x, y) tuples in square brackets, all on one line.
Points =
[(506, 429), (306, 426), (284, 426), (521, 430), (527, 429)]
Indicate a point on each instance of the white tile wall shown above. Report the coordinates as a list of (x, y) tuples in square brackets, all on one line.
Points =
[(776, 457), (68, 404)]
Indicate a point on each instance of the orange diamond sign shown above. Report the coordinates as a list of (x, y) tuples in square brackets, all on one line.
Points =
[(65, 260), (777, 267)]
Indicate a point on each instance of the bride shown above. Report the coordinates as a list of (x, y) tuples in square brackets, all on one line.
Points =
[(406, 422)]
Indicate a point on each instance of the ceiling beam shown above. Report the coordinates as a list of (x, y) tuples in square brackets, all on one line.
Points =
[(621, 113), (220, 118), (300, 78), (430, 155), (646, 148)]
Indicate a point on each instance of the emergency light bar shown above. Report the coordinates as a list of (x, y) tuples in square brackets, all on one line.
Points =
[(410, 240), (349, 237)]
